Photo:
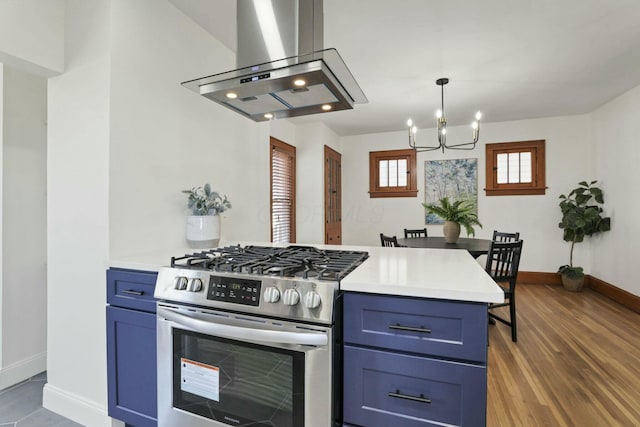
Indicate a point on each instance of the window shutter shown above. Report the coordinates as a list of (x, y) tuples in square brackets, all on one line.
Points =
[(283, 159)]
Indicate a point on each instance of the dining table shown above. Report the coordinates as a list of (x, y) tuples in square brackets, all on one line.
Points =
[(475, 247)]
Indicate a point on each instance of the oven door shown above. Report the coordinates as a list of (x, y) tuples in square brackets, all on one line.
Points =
[(221, 369)]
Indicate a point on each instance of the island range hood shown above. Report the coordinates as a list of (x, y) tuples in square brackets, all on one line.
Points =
[(283, 70)]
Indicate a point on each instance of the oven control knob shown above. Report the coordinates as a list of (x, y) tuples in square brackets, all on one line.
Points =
[(180, 283), (290, 297), (271, 294), (195, 285), (312, 299)]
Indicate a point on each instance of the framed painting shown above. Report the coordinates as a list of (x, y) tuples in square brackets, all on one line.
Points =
[(456, 179)]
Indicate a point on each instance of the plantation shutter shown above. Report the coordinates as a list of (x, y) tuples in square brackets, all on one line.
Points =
[(283, 172)]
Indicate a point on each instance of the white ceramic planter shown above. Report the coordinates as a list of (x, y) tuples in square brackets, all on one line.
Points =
[(203, 231)]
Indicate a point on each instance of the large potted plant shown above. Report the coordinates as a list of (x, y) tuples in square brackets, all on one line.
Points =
[(460, 212), (203, 225), (581, 217)]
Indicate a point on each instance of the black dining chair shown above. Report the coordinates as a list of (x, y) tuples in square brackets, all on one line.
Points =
[(501, 236), (412, 234), (503, 261), (389, 241)]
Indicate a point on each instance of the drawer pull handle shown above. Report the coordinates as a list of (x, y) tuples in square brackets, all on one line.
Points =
[(410, 328), (132, 292), (399, 395)]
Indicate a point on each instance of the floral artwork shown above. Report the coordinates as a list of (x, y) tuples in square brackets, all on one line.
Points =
[(456, 179)]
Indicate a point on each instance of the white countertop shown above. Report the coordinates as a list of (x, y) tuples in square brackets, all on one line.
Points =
[(430, 273)]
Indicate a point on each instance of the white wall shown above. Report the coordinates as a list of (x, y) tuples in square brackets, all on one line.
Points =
[(31, 35), (615, 163), (311, 139), (1, 202), (77, 215), (535, 217), (23, 284), (31, 40), (165, 138)]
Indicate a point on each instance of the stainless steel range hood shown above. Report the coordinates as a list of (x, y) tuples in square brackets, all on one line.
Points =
[(283, 70)]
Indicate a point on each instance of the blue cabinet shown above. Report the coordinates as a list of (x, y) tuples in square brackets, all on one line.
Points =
[(131, 347), (412, 362)]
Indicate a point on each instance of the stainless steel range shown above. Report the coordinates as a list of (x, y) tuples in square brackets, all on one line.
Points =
[(246, 337)]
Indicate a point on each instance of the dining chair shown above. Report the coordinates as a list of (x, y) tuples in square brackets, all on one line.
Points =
[(410, 234), (389, 241), (503, 261), (501, 236)]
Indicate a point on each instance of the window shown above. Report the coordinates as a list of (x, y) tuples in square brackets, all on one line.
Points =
[(283, 192), (393, 173), (515, 168)]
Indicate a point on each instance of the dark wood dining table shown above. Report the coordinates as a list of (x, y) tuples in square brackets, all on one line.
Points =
[(475, 247)]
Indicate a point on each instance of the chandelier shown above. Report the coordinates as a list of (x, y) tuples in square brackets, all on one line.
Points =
[(442, 129)]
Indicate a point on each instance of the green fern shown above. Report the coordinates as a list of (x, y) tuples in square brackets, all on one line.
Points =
[(460, 211)]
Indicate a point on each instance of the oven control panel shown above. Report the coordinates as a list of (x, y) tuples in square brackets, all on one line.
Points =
[(234, 290), (280, 297)]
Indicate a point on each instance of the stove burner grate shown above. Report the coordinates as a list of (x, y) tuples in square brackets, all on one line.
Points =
[(293, 261)]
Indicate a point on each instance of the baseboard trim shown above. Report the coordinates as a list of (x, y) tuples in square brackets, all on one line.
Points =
[(618, 295), (22, 370), (74, 407), (538, 278)]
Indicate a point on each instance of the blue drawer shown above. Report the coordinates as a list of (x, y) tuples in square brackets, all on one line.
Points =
[(379, 385), (450, 329), (131, 289)]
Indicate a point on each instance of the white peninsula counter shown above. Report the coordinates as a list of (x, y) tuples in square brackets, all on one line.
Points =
[(450, 274)]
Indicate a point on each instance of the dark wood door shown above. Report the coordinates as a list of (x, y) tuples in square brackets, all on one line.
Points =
[(332, 197)]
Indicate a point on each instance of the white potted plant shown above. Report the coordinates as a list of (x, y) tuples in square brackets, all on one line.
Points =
[(203, 225)]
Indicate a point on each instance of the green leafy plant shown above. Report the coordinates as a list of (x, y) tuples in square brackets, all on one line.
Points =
[(202, 201), (460, 211), (581, 217)]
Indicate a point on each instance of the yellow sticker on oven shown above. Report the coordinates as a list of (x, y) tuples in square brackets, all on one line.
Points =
[(200, 379)]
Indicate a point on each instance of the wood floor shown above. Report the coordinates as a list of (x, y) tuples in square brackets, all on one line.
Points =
[(576, 362)]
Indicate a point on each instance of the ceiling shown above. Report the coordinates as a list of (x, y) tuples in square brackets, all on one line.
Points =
[(511, 59)]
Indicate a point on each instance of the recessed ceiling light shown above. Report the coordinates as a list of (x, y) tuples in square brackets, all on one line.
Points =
[(299, 82), (326, 107), (232, 95), (268, 116)]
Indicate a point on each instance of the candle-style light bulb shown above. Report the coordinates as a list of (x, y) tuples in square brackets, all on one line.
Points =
[(439, 114), (414, 130), (478, 115), (444, 131), (474, 125), (409, 123)]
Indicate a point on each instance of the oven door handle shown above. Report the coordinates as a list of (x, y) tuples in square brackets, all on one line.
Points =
[(239, 332)]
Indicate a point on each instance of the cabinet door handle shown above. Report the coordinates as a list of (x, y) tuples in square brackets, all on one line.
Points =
[(398, 395), (410, 328), (133, 292)]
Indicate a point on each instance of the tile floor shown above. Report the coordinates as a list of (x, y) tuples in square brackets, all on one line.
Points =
[(21, 406)]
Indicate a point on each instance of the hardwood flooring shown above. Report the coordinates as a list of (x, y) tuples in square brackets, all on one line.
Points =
[(576, 362)]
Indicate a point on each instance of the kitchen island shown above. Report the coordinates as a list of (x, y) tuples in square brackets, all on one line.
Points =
[(415, 339), (415, 335), (425, 273)]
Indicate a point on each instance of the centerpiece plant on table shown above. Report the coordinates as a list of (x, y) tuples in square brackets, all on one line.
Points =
[(455, 214)]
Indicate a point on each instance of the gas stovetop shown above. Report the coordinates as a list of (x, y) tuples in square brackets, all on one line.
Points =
[(294, 282), (304, 262)]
